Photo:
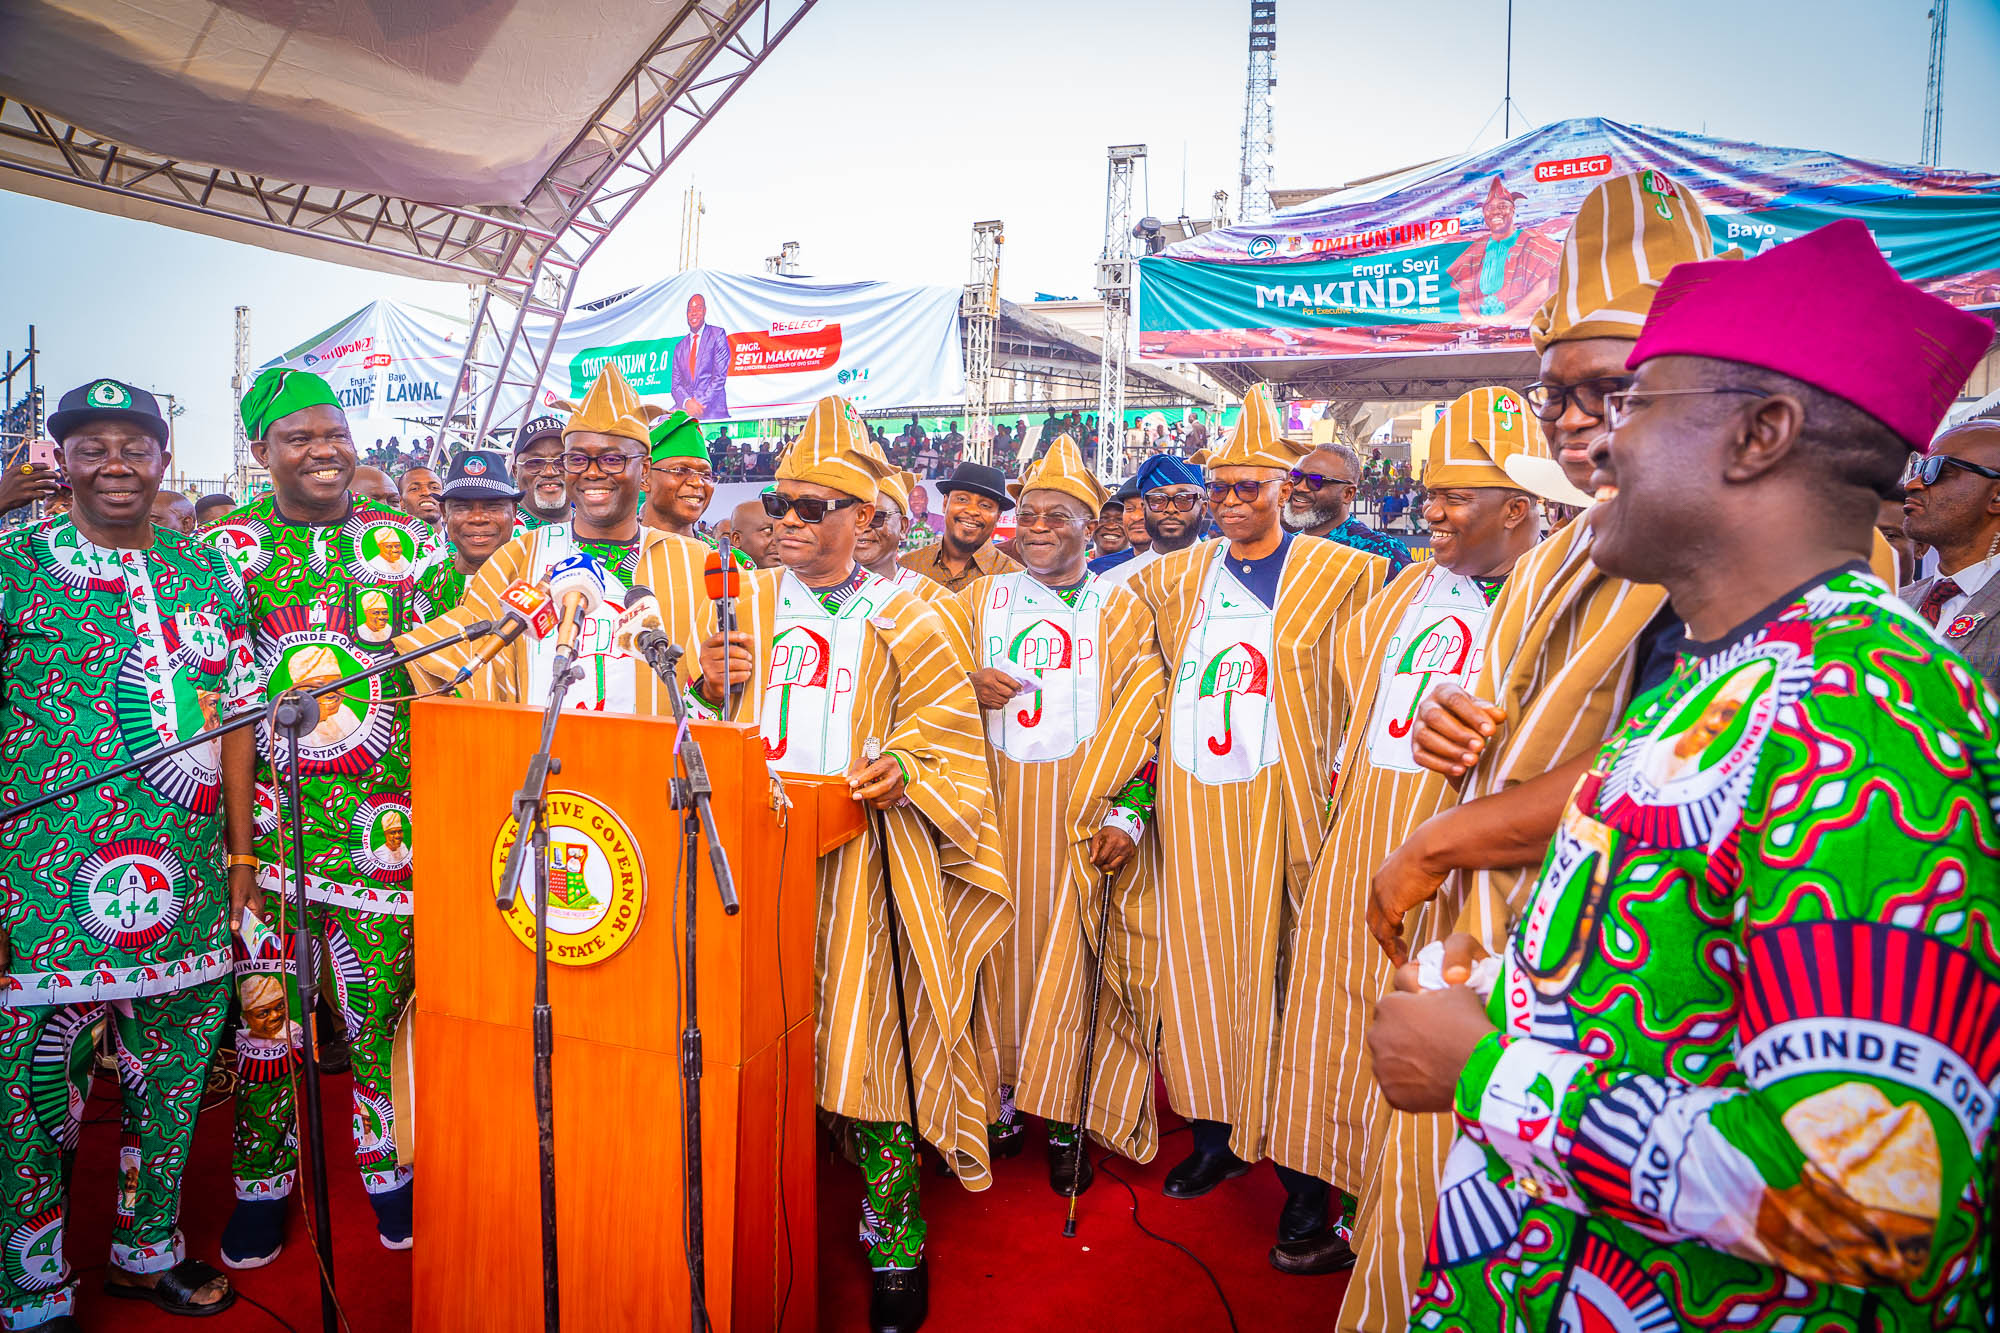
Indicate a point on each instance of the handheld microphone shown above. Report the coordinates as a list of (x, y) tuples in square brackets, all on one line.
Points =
[(640, 631), (577, 584), (530, 609), (719, 577)]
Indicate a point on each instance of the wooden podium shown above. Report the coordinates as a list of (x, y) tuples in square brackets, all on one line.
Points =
[(617, 1029)]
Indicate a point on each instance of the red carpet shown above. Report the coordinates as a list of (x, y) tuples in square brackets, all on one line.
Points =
[(996, 1258)]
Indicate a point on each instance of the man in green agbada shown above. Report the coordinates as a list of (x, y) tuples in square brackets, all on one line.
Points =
[(117, 636), (332, 580)]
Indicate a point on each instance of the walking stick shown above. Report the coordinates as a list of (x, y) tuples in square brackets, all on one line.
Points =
[(1089, 1055), (871, 750)]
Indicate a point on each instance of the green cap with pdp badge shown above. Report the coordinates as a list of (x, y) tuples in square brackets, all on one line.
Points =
[(104, 398)]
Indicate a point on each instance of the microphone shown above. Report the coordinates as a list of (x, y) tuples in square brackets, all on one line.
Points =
[(719, 576), (577, 584), (640, 631), (530, 609)]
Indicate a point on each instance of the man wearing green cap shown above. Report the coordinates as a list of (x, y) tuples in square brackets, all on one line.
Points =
[(680, 481), (318, 563)]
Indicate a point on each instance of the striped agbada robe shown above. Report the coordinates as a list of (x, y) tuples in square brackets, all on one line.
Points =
[(1426, 628), (1254, 713), (1057, 756), (1560, 661), (907, 689), (614, 681)]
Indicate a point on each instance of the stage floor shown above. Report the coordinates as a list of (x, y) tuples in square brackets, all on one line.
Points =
[(996, 1257)]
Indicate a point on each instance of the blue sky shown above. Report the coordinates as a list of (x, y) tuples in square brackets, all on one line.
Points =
[(884, 128)]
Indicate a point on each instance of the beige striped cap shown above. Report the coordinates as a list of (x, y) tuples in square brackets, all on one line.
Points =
[(1629, 232), (896, 488), (834, 449), (1477, 434), (1061, 469), (1259, 438)]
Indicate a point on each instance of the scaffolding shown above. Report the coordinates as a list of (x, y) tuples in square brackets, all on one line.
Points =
[(980, 309), (1114, 284), (1259, 132)]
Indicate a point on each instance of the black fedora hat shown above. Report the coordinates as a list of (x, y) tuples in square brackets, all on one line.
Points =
[(979, 479)]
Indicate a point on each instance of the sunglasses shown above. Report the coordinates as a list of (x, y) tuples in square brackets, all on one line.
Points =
[(610, 464), (1549, 401), (809, 508), (1246, 491), (1181, 504), (1930, 467), (1312, 481)]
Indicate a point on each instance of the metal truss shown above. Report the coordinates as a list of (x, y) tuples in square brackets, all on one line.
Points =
[(980, 308), (1114, 284), (525, 257)]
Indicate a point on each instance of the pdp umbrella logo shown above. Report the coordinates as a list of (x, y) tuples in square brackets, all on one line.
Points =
[(109, 393), (799, 660), (1238, 669), (475, 466), (127, 893), (1042, 646), (34, 1253)]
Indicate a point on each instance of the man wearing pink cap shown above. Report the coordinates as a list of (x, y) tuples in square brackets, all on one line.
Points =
[(1737, 1066)]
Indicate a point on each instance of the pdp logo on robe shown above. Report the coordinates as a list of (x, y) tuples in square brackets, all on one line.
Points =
[(1223, 732), (597, 881), (1055, 715), (127, 893), (799, 661)]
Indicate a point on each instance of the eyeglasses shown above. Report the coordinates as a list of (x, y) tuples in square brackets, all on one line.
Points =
[(1312, 481), (1549, 401), (809, 508), (1055, 520), (610, 464), (1180, 504), (883, 513), (680, 472), (1246, 491), (1928, 469), (1619, 407), (535, 467)]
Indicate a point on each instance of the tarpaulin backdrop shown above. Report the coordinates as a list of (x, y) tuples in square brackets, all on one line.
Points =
[(392, 366), (1457, 256), (729, 347)]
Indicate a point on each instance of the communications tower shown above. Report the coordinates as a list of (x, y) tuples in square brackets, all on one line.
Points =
[(1114, 284), (1934, 93), (1259, 135), (980, 307)]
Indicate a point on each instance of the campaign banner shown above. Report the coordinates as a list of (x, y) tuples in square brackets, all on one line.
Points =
[(733, 347), (1458, 256), (391, 365)]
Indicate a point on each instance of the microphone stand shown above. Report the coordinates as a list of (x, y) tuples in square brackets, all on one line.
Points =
[(726, 615), (692, 794), (292, 714), (531, 826)]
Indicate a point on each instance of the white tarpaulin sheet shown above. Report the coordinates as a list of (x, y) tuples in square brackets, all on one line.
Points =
[(463, 102), (392, 366), (731, 347)]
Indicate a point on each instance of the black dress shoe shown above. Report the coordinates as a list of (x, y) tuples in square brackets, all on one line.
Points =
[(1301, 1217), (1199, 1173), (1070, 1171), (1324, 1251), (901, 1299)]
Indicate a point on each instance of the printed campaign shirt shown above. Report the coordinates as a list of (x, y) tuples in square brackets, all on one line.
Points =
[(440, 588), (118, 892), (1754, 990), (325, 599), (1225, 729)]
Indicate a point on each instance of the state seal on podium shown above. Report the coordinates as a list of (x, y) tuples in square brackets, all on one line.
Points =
[(597, 881)]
